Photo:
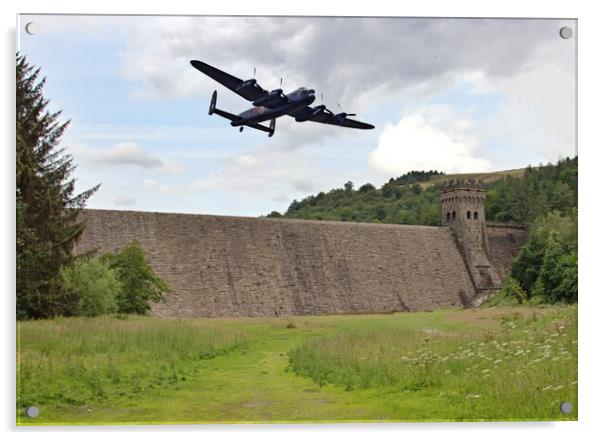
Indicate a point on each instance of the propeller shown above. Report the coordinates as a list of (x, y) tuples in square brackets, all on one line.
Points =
[(278, 91), (254, 72), (343, 113), (322, 108)]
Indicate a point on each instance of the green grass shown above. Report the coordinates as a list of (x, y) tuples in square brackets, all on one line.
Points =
[(486, 364), (83, 361), (520, 370), (485, 177)]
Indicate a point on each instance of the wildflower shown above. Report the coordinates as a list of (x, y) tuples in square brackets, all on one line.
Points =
[(485, 371), (497, 361)]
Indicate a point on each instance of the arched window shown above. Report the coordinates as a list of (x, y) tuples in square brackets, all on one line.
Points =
[(453, 216), (448, 217), (475, 215), (468, 215)]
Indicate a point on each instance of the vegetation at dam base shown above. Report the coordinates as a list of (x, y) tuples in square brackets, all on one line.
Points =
[(515, 363)]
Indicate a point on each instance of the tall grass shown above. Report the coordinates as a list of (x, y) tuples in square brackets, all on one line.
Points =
[(76, 361), (522, 370)]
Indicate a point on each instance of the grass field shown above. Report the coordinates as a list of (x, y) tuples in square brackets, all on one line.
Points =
[(484, 364)]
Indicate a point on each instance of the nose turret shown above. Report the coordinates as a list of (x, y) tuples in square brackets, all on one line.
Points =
[(310, 96)]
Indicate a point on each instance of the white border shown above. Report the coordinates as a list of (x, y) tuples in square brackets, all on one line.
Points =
[(590, 145)]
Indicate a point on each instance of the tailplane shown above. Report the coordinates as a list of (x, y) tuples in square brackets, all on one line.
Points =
[(217, 111), (237, 121)]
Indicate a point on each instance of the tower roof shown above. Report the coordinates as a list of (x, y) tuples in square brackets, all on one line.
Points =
[(468, 183)]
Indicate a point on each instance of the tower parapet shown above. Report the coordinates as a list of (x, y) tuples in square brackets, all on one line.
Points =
[(468, 183), (463, 210)]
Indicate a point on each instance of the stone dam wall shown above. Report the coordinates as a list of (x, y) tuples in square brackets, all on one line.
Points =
[(237, 266), (504, 242)]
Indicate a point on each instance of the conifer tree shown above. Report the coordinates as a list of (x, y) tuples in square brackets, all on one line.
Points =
[(47, 209)]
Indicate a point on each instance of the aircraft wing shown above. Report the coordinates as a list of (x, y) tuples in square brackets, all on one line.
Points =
[(229, 81), (329, 118)]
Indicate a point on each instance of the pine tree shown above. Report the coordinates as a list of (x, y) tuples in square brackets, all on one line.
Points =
[(47, 210)]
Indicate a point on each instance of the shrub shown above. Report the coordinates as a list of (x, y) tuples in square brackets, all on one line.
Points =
[(139, 283), (512, 289), (546, 266), (557, 280), (92, 285)]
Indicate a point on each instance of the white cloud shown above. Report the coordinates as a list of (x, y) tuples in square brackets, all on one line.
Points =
[(386, 69), (124, 201), (280, 198), (150, 185), (124, 153), (266, 173), (364, 63), (415, 143), (538, 112), (342, 57), (303, 185)]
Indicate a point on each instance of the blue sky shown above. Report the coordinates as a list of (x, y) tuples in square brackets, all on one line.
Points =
[(452, 95)]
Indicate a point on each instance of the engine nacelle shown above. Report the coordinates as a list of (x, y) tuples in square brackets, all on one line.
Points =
[(248, 84), (271, 98), (304, 115), (339, 118), (309, 113)]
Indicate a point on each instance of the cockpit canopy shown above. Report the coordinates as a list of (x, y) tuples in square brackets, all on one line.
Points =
[(304, 90)]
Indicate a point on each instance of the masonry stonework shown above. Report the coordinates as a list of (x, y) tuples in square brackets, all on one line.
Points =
[(463, 210), (237, 266)]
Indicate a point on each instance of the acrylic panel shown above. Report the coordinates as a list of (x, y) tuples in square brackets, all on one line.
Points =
[(232, 219)]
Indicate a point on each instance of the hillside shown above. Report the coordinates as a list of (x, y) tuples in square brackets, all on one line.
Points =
[(485, 177), (518, 195)]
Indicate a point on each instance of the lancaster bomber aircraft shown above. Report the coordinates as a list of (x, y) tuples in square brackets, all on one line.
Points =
[(272, 105)]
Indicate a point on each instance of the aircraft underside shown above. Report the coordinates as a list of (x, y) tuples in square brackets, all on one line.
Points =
[(273, 104)]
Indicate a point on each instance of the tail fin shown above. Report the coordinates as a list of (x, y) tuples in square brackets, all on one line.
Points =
[(213, 102), (217, 111), (272, 127)]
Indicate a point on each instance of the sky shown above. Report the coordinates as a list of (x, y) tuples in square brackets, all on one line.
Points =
[(453, 95)]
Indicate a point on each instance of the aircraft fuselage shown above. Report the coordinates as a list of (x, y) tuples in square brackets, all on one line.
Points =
[(298, 100)]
